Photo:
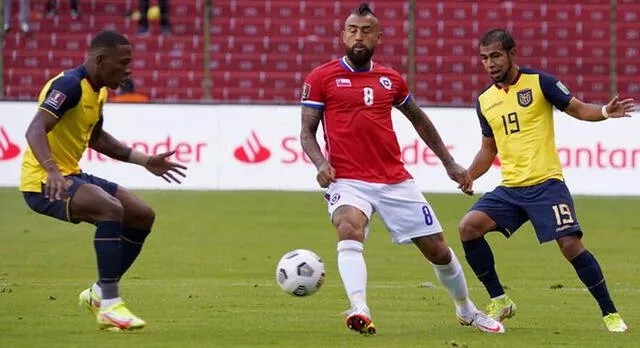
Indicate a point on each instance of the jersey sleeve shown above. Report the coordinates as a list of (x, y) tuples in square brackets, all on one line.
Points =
[(554, 91), (63, 94), (313, 93), (403, 95), (486, 129)]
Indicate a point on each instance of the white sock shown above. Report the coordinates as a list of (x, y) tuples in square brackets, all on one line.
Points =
[(110, 302), (97, 289), (353, 271), (452, 277)]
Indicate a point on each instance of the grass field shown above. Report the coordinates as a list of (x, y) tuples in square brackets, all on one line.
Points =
[(206, 278)]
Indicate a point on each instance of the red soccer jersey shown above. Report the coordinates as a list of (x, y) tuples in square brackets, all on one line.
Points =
[(358, 130)]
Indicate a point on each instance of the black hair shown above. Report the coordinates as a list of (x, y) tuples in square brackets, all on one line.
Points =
[(364, 10), (108, 39), (498, 35)]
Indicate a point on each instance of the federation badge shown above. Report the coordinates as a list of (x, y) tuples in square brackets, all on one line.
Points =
[(525, 97), (334, 198), (386, 83)]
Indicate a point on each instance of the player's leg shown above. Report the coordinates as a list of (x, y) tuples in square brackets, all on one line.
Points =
[(7, 15), (143, 23), (350, 214), (409, 218), (97, 205), (493, 212), (137, 222), (553, 217)]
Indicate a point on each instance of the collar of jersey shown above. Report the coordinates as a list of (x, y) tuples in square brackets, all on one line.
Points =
[(346, 65)]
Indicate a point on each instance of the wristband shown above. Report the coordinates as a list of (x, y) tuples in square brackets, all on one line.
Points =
[(605, 114)]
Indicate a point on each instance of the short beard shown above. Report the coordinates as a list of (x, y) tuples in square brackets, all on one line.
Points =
[(360, 60), (502, 77)]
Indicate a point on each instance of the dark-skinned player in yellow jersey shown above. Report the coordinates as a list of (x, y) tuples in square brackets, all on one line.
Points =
[(516, 117), (69, 119)]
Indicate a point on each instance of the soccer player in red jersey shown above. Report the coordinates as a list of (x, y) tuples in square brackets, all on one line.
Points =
[(353, 97)]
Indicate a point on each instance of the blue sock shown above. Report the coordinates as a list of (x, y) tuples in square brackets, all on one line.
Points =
[(480, 258), (591, 275), (107, 246), (131, 241)]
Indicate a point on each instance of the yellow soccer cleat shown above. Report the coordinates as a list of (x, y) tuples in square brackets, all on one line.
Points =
[(501, 309), (90, 300), (117, 317), (614, 323)]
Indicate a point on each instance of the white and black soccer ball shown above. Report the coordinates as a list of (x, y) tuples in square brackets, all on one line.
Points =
[(300, 272)]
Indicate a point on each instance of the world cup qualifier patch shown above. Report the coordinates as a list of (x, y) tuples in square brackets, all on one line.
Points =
[(55, 99), (525, 97), (306, 88)]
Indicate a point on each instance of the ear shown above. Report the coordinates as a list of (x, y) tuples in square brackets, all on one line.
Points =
[(343, 33), (514, 52)]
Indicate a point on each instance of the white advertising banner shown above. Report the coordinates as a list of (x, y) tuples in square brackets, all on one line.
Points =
[(245, 147)]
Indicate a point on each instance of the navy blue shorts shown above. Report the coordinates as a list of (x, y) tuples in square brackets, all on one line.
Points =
[(548, 205), (60, 209)]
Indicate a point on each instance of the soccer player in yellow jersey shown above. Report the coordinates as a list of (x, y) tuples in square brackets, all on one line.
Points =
[(516, 117), (68, 120)]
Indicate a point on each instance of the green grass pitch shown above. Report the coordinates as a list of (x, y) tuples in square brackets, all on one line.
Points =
[(206, 278)]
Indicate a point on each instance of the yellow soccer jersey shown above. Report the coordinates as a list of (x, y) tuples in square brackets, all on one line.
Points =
[(72, 99), (520, 119)]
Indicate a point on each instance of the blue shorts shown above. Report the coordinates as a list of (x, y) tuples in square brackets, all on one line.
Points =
[(61, 209), (548, 205)]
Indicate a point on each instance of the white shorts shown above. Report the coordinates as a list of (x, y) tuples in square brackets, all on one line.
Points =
[(402, 207)]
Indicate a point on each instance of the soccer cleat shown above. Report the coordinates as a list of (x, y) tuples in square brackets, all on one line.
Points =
[(615, 323), (90, 300), (117, 317), (501, 309), (359, 320), (483, 322)]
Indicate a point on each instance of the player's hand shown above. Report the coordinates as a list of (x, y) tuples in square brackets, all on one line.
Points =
[(56, 187), (460, 175), (621, 108), (162, 167), (326, 174)]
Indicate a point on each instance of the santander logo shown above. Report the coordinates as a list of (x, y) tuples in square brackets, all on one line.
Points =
[(8, 149), (252, 151)]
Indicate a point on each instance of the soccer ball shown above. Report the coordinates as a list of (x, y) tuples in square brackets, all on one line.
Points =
[(300, 272)]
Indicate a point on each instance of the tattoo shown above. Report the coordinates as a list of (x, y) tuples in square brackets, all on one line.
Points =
[(310, 120), (427, 131)]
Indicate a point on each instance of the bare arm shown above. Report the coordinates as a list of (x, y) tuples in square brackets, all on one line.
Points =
[(426, 130), (593, 112), (430, 136), (105, 143), (484, 158), (36, 135), (310, 121)]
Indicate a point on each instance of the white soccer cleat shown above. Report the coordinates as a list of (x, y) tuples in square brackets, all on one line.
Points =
[(483, 322)]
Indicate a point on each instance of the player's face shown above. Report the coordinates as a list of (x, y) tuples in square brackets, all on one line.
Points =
[(360, 36), (496, 61), (113, 66)]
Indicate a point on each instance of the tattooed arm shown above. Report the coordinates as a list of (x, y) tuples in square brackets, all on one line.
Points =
[(431, 137), (310, 121)]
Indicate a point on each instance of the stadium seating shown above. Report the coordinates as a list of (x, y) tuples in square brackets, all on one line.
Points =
[(262, 50)]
